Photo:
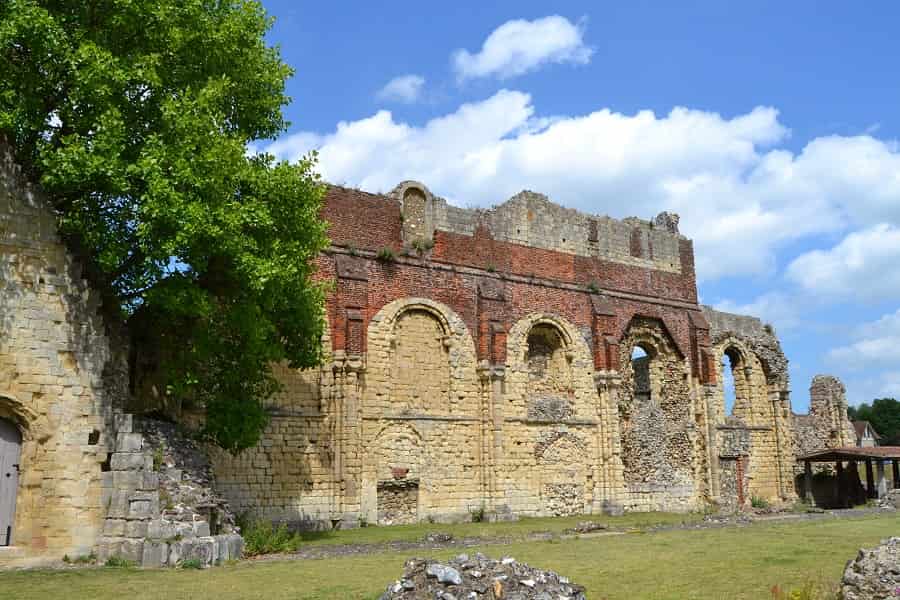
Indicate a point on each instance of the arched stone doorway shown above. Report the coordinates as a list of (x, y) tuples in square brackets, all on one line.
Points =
[(10, 449)]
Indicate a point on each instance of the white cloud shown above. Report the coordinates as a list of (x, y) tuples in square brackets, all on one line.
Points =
[(405, 88), (741, 197), (520, 46), (875, 346), (864, 265)]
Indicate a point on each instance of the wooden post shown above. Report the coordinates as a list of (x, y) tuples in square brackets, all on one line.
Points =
[(839, 500), (807, 483), (896, 469), (870, 480)]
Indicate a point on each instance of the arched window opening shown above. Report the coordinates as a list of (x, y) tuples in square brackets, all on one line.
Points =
[(731, 361), (549, 377), (640, 366), (546, 358)]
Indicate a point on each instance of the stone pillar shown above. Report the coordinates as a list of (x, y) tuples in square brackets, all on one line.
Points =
[(610, 482), (493, 382), (838, 483), (881, 482), (807, 483), (712, 442), (347, 465)]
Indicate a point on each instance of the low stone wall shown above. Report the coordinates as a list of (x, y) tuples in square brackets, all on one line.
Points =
[(159, 512)]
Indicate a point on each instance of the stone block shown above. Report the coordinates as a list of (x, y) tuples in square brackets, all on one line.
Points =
[(114, 527), (128, 461), (201, 528), (126, 480), (143, 505), (156, 554), (107, 547), (229, 547), (123, 423), (132, 550), (149, 481), (158, 529), (136, 529), (129, 442), (202, 549), (117, 504), (185, 530)]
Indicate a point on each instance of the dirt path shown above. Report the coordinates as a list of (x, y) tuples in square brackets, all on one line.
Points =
[(712, 522)]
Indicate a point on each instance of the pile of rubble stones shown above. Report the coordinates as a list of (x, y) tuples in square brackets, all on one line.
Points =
[(874, 573), (481, 578), (187, 484)]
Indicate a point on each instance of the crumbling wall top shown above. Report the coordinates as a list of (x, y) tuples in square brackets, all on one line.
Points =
[(532, 219), (758, 336)]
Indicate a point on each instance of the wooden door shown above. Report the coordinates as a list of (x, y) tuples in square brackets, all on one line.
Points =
[(10, 448)]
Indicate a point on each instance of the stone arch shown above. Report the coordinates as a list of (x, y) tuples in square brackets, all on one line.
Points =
[(398, 466), (412, 334), (757, 441), (547, 470), (20, 415), (446, 422), (550, 369), (562, 460), (751, 406), (659, 435)]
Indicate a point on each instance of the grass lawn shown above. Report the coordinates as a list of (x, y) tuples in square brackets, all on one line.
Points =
[(728, 563), (511, 529)]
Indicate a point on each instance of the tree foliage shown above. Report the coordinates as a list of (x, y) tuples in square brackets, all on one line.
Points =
[(884, 415), (136, 117)]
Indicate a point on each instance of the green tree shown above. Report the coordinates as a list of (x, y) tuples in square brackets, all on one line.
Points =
[(884, 415), (136, 117)]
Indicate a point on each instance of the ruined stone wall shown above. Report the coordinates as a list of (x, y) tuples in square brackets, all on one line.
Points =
[(827, 424), (485, 369), (289, 475), (546, 464), (60, 378), (760, 419), (662, 446)]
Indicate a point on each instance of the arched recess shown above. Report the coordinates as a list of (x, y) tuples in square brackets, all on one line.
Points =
[(563, 468), (757, 440), (549, 370), (399, 461), (549, 389), (659, 435), (421, 360), (421, 373)]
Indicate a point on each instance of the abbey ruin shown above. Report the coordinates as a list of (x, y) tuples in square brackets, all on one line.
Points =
[(479, 362)]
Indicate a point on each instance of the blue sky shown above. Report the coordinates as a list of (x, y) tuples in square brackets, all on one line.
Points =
[(771, 128)]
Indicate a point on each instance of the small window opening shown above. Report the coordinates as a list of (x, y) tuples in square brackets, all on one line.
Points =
[(640, 366), (93, 438), (729, 363), (105, 466)]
